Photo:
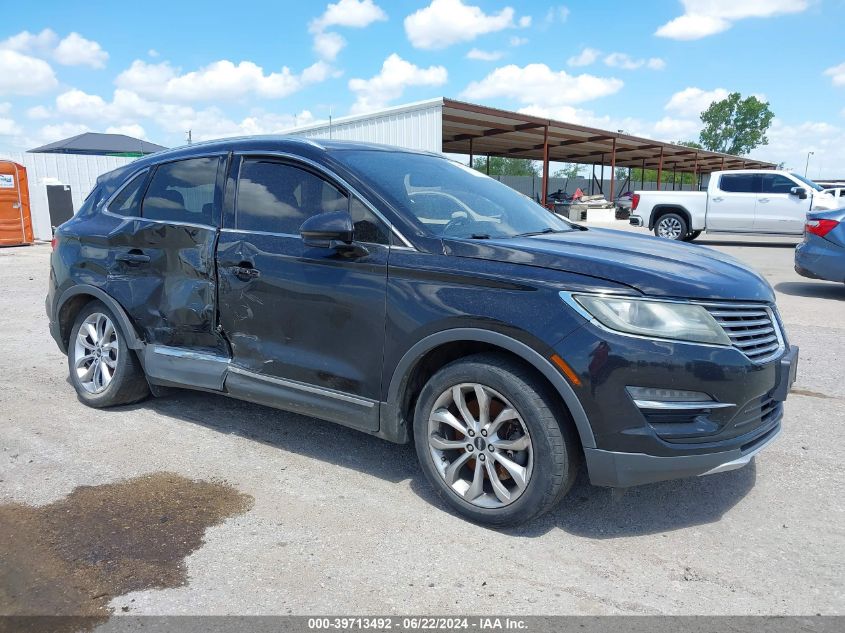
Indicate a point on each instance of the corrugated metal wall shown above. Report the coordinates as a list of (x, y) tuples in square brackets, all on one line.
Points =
[(418, 126), (79, 172)]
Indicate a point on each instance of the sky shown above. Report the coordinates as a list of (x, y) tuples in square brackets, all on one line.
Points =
[(158, 69)]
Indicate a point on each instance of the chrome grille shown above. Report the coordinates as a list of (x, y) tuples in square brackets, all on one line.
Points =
[(753, 330)]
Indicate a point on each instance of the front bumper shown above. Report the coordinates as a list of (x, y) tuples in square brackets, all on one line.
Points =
[(622, 469)]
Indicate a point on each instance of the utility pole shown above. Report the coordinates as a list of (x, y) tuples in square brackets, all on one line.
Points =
[(188, 137), (807, 164)]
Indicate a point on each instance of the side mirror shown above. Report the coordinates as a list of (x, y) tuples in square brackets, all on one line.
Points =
[(327, 230), (799, 191)]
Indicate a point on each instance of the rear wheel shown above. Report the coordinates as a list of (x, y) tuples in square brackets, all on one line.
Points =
[(671, 226), (103, 369), (489, 441)]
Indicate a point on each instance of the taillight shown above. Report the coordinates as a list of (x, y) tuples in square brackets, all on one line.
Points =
[(53, 242), (821, 227), (635, 201)]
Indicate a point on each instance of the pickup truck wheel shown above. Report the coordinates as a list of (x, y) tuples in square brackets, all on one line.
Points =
[(691, 236), (103, 369), (671, 227), (489, 441)]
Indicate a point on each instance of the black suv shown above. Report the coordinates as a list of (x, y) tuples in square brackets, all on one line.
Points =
[(413, 298)]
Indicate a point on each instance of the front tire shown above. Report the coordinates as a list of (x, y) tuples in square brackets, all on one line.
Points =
[(103, 369), (671, 226), (691, 236), (490, 441)]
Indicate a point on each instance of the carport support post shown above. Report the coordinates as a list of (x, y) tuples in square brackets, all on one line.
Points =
[(695, 174), (660, 169), (470, 153), (545, 163), (488, 164), (601, 179), (642, 175), (612, 168)]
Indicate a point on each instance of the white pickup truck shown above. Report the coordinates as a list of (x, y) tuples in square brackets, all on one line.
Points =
[(763, 202)]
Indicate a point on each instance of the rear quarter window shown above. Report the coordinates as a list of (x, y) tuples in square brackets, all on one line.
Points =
[(183, 191)]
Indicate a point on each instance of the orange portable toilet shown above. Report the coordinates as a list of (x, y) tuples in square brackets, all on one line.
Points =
[(15, 218)]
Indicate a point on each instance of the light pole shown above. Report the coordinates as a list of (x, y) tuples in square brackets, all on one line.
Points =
[(807, 164)]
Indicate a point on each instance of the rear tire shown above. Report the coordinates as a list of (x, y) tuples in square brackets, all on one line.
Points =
[(671, 226), (524, 453), (103, 369)]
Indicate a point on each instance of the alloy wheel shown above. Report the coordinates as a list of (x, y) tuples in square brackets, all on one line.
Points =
[(95, 353), (480, 445), (669, 228)]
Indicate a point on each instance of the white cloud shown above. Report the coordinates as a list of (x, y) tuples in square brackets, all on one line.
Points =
[(485, 56), (537, 84), (153, 53), (328, 45), (59, 131), (791, 142), (691, 102), (217, 81), (626, 62), (346, 13), (39, 112), (584, 58), (517, 41), (39, 44), (525, 21), (133, 129), (350, 13), (708, 17), (447, 22), (24, 75), (556, 14), (836, 74), (75, 50), (8, 127), (396, 74)]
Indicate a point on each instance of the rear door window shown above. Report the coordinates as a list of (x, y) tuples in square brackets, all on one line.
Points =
[(775, 183), (277, 197), (183, 191), (128, 200), (740, 183)]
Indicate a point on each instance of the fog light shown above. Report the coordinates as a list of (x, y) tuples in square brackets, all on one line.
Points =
[(656, 398), (667, 395)]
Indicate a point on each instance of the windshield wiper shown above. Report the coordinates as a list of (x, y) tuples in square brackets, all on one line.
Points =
[(545, 231)]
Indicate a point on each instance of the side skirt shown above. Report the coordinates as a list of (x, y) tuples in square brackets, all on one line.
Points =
[(175, 367)]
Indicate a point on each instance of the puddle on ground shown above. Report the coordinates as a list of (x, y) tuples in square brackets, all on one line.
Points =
[(73, 556)]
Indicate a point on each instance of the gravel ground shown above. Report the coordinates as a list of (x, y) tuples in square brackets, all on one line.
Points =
[(341, 522)]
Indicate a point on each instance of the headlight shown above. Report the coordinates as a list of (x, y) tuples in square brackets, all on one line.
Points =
[(656, 319)]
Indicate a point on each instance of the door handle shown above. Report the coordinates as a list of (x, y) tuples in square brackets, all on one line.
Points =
[(133, 259), (762, 200), (718, 199), (245, 273)]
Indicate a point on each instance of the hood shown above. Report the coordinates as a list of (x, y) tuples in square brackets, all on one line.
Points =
[(653, 266)]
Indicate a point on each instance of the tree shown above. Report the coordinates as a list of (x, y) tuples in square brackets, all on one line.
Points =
[(569, 170), (506, 166), (691, 144), (735, 125)]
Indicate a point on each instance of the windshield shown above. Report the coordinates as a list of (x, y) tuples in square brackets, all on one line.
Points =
[(447, 199), (808, 182)]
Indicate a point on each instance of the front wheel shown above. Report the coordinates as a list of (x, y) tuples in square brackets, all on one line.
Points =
[(490, 442), (671, 227), (689, 237)]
